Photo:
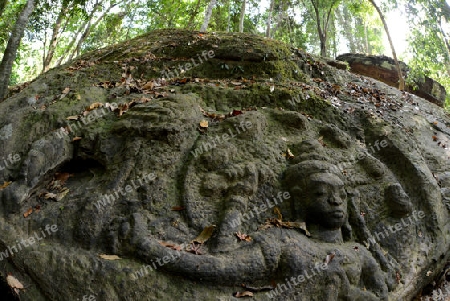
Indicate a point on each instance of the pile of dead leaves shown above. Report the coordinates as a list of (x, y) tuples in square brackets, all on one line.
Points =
[(55, 190)]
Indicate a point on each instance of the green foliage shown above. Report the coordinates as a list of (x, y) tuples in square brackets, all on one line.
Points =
[(353, 23), (427, 42), (365, 26), (7, 20)]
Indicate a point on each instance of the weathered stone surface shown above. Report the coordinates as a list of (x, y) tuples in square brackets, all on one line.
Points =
[(369, 178), (383, 69)]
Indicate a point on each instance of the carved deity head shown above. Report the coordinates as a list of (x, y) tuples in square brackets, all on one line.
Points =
[(319, 196)]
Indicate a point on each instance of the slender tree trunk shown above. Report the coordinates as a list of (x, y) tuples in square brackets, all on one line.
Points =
[(80, 29), (194, 14), (366, 39), (87, 31), (208, 15), (322, 34), (12, 47), (334, 40), (344, 19), (2, 6), (322, 29), (55, 38), (269, 18), (44, 55), (446, 10), (281, 16), (444, 37), (242, 16), (401, 85), (229, 16)]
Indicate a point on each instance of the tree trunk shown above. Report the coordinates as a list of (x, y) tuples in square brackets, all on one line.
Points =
[(2, 6), (75, 38), (334, 40), (87, 31), (366, 40), (322, 29), (401, 85), (345, 20), (269, 18), (444, 38), (12, 47), (446, 10), (321, 33), (242, 17), (282, 15), (208, 14), (54, 40), (193, 15), (228, 15)]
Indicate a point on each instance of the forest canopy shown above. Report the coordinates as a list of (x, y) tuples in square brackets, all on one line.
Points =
[(36, 35)]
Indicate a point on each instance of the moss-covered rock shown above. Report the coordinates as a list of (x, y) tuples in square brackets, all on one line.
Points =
[(113, 149)]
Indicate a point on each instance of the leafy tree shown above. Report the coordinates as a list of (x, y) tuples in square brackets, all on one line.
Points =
[(359, 25), (13, 45), (323, 14), (208, 14), (242, 16), (394, 54), (429, 41), (2, 6)]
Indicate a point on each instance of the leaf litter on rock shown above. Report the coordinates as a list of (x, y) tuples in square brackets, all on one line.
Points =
[(278, 222)]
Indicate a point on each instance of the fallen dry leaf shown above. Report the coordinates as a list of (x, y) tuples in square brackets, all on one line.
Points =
[(243, 294), (5, 184), (72, 118), (109, 257), (321, 141), (195, 248), (77, 138), (29, 211), (171, 246), (62, 194), (277, 211), (112, 107), (296, 225), (329, 258), (288, 154), (148, 86), (278, 222), (204, 124), (94, 106), (66, 90), (205, 235), (236, 113), (243, 236), (13, 282), (50, 195)]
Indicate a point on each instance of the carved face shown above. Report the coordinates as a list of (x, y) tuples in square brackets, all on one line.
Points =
[(326, 201)]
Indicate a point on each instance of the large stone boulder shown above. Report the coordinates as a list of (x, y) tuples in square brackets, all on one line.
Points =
[(383, 69), (194, 166)]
